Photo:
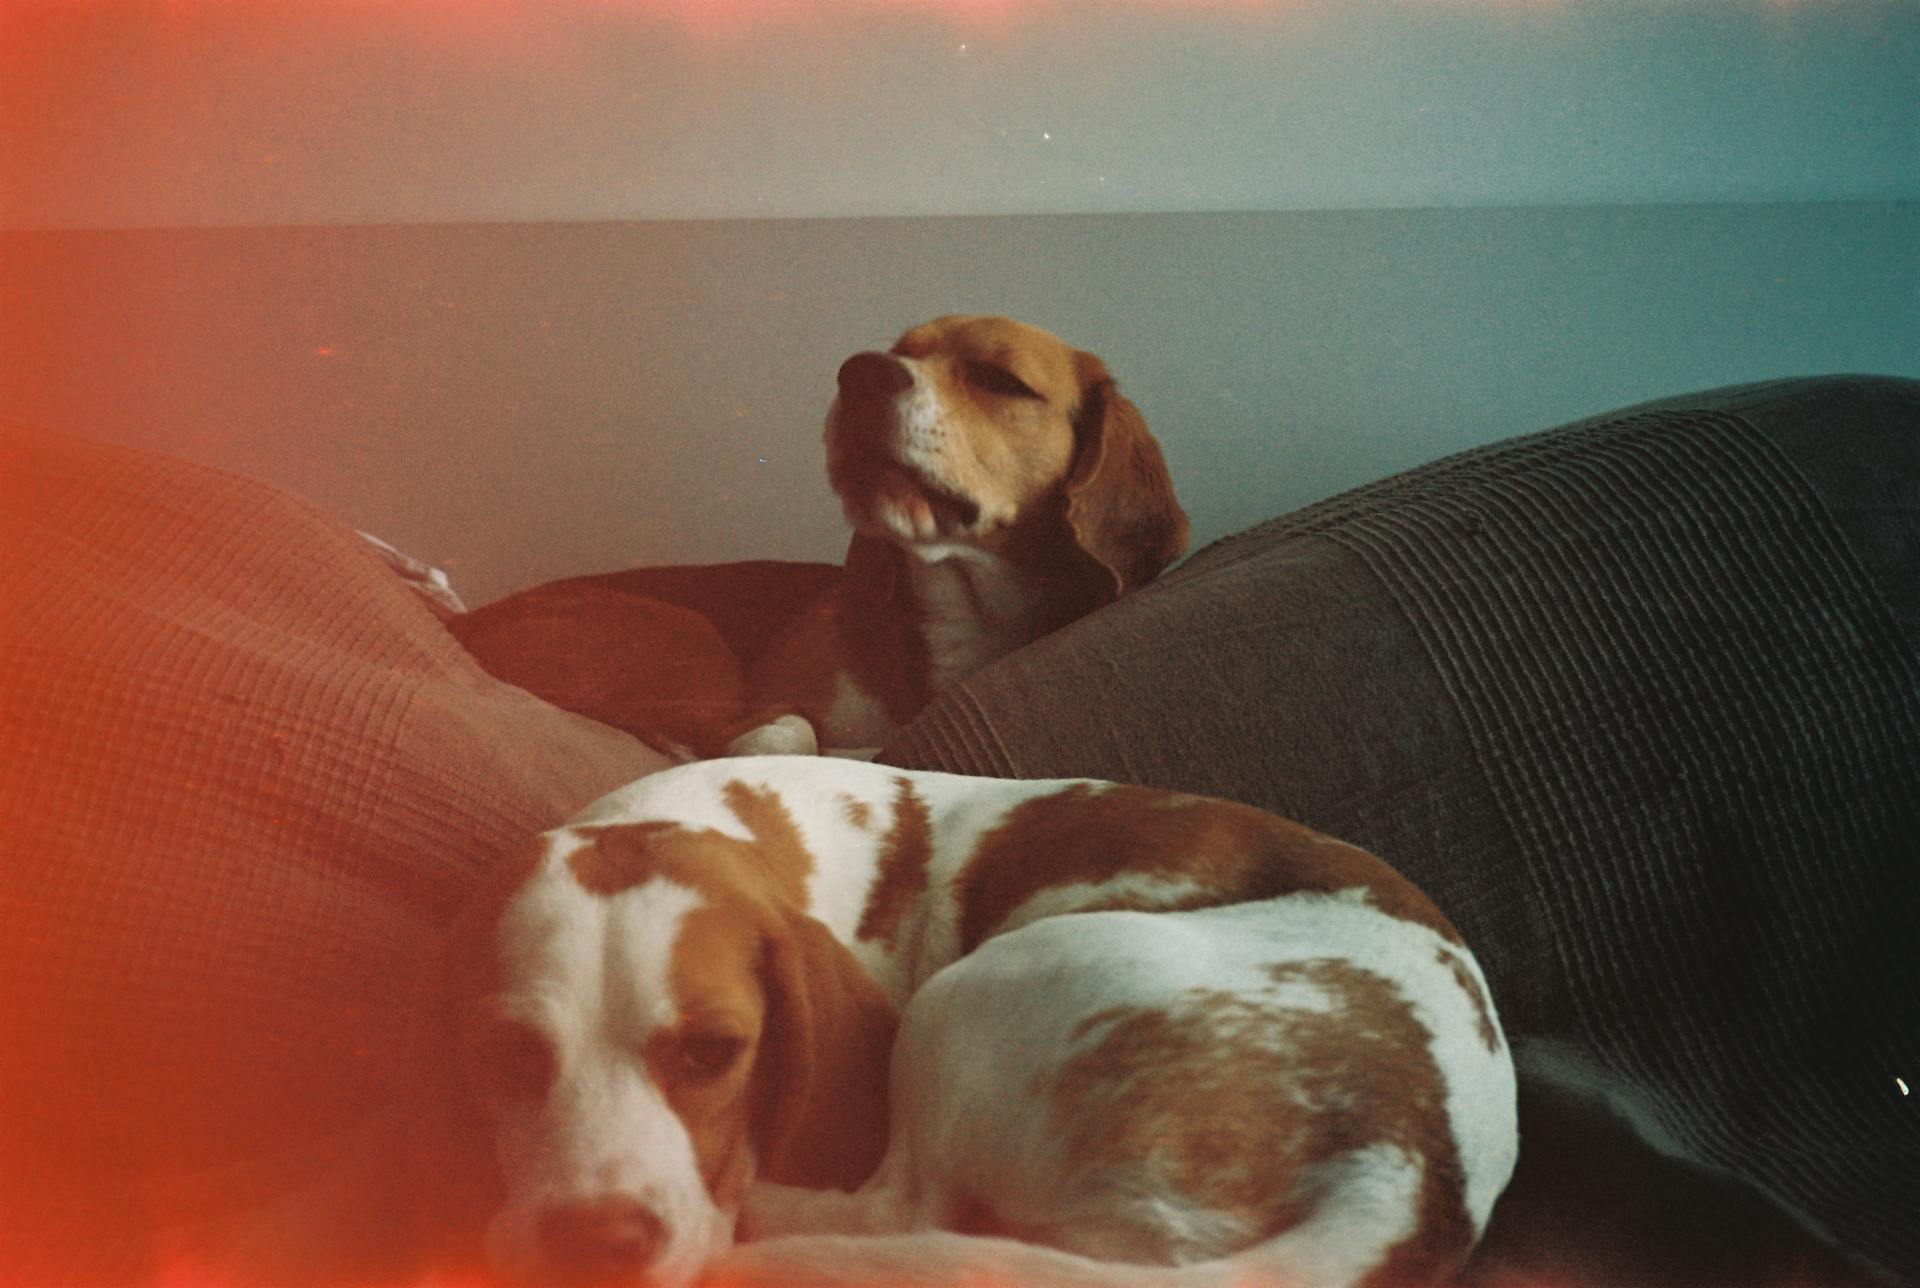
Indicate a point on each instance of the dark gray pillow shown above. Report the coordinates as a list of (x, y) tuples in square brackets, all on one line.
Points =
[(1637, 700)]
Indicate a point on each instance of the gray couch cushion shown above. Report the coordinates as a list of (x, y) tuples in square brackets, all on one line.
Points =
[(1637, 700)]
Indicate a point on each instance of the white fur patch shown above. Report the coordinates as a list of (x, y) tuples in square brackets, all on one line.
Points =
[(1369, 1200), (1143, 889), (591, 973)]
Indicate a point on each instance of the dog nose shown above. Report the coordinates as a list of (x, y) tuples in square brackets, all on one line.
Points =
[(873, 376), (600, 1240)]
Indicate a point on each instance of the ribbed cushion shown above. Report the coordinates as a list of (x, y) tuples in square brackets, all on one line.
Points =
[(247, 774), (1637, 700)]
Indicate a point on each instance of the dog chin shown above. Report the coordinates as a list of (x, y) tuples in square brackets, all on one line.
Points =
[(511, 1251), (902, 509)]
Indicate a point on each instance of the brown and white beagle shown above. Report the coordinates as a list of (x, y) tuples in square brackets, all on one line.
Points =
[(904, 1028), (999, 487)]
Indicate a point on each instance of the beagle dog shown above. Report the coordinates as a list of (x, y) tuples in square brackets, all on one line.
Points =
[(999, 486), (906, 1028)]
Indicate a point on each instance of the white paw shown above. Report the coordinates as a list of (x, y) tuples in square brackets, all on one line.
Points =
[(789, 735)]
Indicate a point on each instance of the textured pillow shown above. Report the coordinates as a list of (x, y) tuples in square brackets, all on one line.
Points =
[(247, 774), (1637, 701)]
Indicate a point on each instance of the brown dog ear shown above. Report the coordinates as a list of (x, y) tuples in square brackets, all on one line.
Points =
[(445, 1163), (1120, 501), (820, 1087)]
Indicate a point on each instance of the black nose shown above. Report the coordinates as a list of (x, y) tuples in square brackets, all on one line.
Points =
[(606, 1238), (873, 376)]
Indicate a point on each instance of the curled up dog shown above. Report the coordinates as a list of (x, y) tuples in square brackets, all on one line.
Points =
[(910, 1028)]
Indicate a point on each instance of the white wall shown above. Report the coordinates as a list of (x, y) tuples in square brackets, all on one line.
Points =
[(351, 246), (145, 113), (523, 402)]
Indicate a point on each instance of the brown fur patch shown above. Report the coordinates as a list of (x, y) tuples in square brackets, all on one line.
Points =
[(715, 978), (1121, 506), (1230, 1100), (1233, 853), (823, 1075), (776, 838), (905, 852), (858, 813), (619, 856), (1489, 1032)]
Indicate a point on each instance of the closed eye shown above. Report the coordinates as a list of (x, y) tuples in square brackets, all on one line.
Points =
[(991, 379), (703, 1055)]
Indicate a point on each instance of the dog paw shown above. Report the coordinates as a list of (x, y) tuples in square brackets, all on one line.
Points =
[(788, 735)]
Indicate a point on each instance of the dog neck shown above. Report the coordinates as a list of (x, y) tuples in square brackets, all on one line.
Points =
[(906, 622), (974, 605), (979, 600)]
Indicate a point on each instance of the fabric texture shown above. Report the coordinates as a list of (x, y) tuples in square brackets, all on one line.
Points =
[(1637, 701), (247, 775)]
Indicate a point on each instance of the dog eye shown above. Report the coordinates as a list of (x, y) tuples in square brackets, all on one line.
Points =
[(988, 378), (702, 1056), (509, 1060)]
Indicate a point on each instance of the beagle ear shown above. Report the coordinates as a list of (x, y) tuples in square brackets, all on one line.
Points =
[(820, 1086), (1121, 508), (447, 1166)]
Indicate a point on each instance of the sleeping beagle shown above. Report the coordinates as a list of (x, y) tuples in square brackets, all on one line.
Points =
[(906, 1028), (999, 487)]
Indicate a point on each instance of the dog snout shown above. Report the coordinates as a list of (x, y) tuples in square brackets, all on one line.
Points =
[(873, 377), (604, 1240)]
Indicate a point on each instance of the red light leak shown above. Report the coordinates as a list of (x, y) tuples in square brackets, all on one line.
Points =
[(41, 38), (700, 18), (184, 1273), (187, 1272)]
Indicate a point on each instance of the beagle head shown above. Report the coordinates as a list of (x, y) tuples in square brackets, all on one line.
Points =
[(642, 1023), (970, 430)]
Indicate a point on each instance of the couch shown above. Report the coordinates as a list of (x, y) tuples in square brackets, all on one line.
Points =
[(1637, 700)]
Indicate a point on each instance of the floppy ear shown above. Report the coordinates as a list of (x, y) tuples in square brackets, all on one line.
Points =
[(1120, 502), (820, 1086), (446, 1167)]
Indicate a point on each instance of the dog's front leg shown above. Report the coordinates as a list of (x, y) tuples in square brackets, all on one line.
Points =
[(884, 1205)]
